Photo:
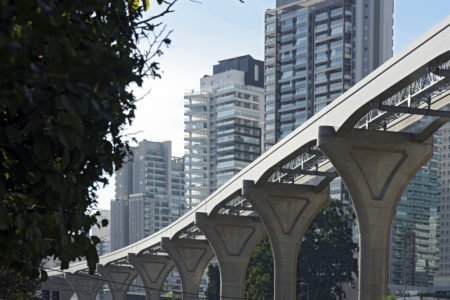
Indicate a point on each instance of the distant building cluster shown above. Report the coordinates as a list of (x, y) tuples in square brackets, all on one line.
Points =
[(149, 193), (314, 52)]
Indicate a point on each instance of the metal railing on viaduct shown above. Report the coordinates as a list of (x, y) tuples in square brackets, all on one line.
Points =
[(375, 136)]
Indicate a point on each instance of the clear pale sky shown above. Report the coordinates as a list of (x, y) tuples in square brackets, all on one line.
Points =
[(206, 32)]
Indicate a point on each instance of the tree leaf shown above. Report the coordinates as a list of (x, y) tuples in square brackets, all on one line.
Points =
[(105, 222), (14, 135), (146, 4), (96, 240), (41, 147)]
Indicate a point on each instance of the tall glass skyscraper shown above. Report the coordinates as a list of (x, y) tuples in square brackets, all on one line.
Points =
[(316, 50), (442, 145), (223, 122), (414, 244)]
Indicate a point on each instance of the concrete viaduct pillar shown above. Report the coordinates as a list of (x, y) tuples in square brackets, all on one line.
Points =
[(118, 279), (286, 210), (191, 258), (85, 286), (233, 239), (60, 285), (376, 168), (153, 270)]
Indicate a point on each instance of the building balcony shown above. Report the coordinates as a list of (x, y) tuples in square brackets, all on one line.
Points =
[(287, 59), (287, 88), (321, 28), (287, 28), (321, 17), (337, 12), (287, 38), (193, 92), (270, 61), (270, 19)]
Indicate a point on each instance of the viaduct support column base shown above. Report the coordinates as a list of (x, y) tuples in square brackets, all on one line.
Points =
[(118, 279), (85, 286), (191, 258), (376, 167), (233, 239), (286, 210), (153, 270)]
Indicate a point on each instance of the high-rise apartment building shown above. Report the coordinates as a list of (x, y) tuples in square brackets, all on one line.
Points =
[(442, 146), (119, 223), (414, 250), (314, 51), (223, 122), (149, 193)]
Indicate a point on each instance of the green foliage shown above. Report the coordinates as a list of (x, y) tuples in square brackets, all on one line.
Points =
[(14, 285), (390, 297), (259, 277), (213, 289), (64, 100), (326, 259), (327, 254)]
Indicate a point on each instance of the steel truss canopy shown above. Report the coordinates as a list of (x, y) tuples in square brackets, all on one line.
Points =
[(409, 93)]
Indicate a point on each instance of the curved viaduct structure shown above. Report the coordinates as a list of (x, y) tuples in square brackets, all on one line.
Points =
[(375, 136)]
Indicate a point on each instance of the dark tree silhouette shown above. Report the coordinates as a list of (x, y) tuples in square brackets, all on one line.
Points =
[(213, 289), (65, 97)]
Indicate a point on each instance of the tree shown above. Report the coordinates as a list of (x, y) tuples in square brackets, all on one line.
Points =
[(326, 259), (65, 97), (213, 289), (13, 285), (259, 277), (390, 297)]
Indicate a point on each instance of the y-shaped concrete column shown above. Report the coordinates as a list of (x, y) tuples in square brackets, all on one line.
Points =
[(85, 286), (376, 168), (118, 279), (153, 270), (233, 239), (60, 285), (191, 258), (286, 210)]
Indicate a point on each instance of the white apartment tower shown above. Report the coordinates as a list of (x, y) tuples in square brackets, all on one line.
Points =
[(223, 122)]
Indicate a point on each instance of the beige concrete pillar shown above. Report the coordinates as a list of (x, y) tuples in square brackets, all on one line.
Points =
[(60, 285), (191, 258), (85, 286), (376, 167), (233, 239), (153, 270), (286, 210), (118, 279)]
